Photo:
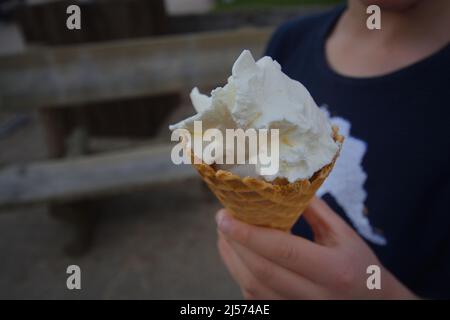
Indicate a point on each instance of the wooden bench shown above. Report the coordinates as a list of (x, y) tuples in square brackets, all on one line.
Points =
[(75, 189), (89, 176), (56, 77), (87, 75)]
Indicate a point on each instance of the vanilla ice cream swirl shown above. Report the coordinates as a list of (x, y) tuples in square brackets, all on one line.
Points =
[(259, 95)]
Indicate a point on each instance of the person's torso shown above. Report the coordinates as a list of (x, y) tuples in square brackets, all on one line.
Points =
[(392, 178)]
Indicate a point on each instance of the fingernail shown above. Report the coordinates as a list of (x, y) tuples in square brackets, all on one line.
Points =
[(223, 221)]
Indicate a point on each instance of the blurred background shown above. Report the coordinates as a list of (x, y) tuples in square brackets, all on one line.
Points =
[(85, 170)]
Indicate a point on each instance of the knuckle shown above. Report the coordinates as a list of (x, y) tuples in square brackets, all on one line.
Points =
[(242, 234), (249, 286), (344, 277), (248, 294), (263, 271), (288, 252)]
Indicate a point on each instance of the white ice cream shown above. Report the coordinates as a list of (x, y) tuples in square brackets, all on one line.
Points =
[(259, 95)]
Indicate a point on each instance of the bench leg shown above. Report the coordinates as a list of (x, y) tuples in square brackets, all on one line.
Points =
[(82, 217)]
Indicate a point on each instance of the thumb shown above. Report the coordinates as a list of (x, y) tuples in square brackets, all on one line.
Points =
[(326, 224)]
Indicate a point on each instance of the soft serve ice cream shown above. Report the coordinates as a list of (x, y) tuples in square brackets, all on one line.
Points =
[(259, 95)]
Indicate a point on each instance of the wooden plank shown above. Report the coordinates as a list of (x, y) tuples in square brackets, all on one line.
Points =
[(90, 176), (231, 19), (134, 117), (85, 73), (45, 22)]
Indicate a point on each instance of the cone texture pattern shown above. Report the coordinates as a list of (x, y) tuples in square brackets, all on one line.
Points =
[(276, 204)]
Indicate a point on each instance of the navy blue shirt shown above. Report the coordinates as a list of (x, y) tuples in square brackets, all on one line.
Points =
[(400, 123)]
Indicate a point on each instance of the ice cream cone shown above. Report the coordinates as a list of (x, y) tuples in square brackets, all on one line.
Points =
[(276, 204)]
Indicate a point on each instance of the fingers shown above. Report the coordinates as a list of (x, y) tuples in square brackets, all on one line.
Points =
[(291, 252), (326, 225), (278, 279), (251, 287)]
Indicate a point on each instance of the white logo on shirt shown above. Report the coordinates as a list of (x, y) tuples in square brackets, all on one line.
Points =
[(346, 182)]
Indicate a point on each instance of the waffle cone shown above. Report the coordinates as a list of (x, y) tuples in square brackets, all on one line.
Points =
[(276, 204)]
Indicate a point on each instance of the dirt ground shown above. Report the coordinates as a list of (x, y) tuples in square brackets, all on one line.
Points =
[(156, 244)]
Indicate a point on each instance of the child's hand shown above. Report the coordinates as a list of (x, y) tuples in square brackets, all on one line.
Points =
[(270, 264)]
